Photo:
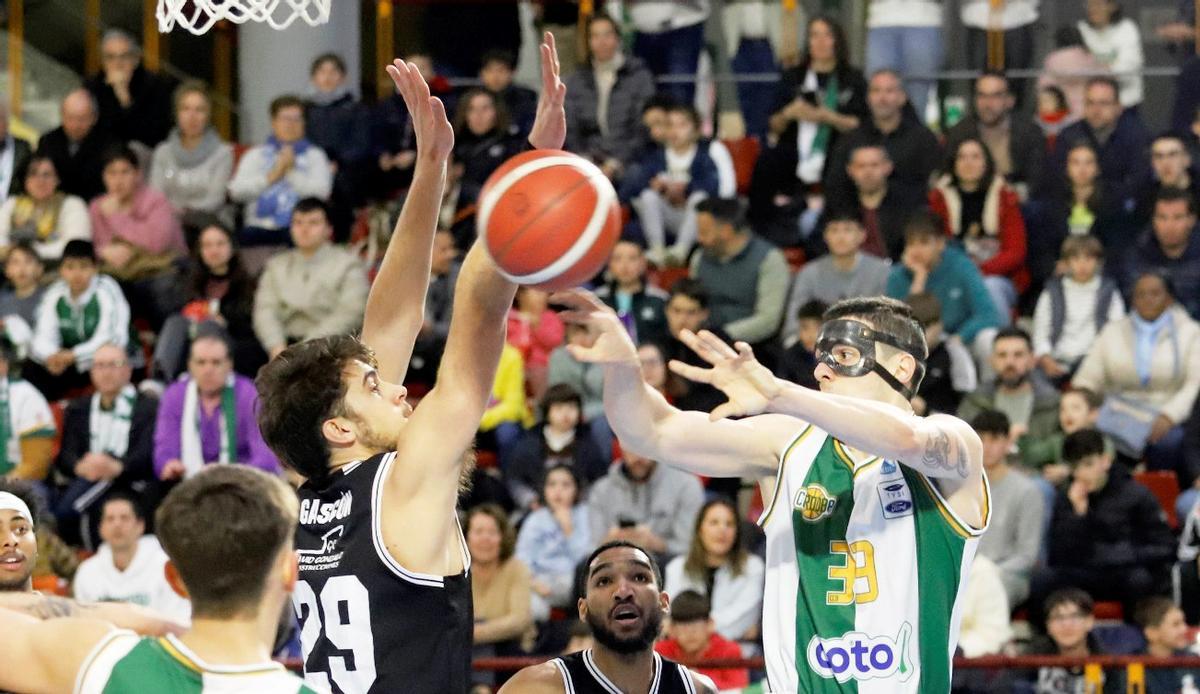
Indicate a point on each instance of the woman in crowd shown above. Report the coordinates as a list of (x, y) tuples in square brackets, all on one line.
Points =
[(554, 538), (218, 289), (983, 214), (1148, 366), (19, 300), (535, 330), (654, 367), (719, 566), (500, 587), (192, 167), (43, 215), (482, 141)]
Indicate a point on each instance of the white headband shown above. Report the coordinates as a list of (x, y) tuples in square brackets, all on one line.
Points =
[(12, 502)]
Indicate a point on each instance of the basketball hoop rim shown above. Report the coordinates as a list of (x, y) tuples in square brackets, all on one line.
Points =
[(199, 16)]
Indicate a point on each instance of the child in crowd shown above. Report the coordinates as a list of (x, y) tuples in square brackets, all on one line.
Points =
[(1053, 113), (949, 371), (692, 636), (798, 361), (1078, 408), (1069, 623), (1073, 308), (1166, 634)]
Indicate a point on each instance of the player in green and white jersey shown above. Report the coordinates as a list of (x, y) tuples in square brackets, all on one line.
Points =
[(875, 512), (228, 533)]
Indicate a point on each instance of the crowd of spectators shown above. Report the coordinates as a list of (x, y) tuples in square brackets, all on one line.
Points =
[(1053, 262)]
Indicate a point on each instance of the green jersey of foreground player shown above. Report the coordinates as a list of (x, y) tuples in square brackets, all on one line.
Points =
[(875, 512), (228, 535)]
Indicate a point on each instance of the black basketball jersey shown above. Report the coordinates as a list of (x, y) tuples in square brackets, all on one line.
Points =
[(581, 676), (368, 625)]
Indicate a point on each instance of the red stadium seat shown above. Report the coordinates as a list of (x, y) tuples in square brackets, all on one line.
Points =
[(664, 278), (58, 411), (1165, 487), (51, 584), (744, 152), (1109, 611), (795, 258)]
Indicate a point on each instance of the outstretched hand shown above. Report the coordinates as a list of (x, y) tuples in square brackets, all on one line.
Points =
[(550, 126), (612, 344), (434, 135), (748, 384)]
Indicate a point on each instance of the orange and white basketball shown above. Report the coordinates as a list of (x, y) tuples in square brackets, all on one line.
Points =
[(549, 219)]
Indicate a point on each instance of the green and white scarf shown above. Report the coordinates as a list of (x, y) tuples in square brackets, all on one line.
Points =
[(109, 430), (812, 140), (191, 449), (6, 465), (77, 324)]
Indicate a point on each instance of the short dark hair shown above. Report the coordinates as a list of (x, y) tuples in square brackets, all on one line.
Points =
[(311, 204), (1082, 444), (1170, 135), (320, 60), (924, 224), (499, 55), (842, 216), (660, 100), (886, 315), (724, 210), (223, 528), (300, 389), (995, 74), (1150, 612), (926, 308), (602, 17), (1168, 194), (26, 247), (688, 110), (212, 331), (1012, 332), (25, 491), (624, 543), (286, 101), (870, 143), (121, 153), (79, 249), (991, 422), (1093, 399), (508, 537), (118, 496), (692, 288), (558, 394), (690, 606), (1070, 596), (1104, 80), (812, 310), (1161, 275)]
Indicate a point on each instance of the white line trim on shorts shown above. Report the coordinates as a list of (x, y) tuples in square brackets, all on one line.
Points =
[(605, 195)]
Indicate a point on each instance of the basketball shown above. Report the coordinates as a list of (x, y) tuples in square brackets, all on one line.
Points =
[(549, 219)]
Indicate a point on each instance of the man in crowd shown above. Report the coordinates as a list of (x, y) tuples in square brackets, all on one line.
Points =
[(881, 204), (128, 567), (1016, 142), (640, 305), (1170, 245), (652, 505), (77, 147), (687, 309), (11, 167), (496, 74), (209, 416), (1171, 165), (135, 104), (1117, 134), (313, 290), (746, 277), (107, 447), (913, 148), (1019, 389)]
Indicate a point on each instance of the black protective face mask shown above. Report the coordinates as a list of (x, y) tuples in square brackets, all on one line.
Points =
[(861, 339)]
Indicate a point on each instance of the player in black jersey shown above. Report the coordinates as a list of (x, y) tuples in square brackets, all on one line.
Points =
[(384, 598), (624, 605)]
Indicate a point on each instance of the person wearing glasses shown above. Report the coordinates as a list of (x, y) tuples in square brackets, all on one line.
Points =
[(135, 104)]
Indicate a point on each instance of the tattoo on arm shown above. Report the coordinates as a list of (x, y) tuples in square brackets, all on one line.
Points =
[(938, 454), (51, 607)]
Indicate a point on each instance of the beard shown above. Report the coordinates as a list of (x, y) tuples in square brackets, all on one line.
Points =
[(18, 584), (643, 641), (1011, 381)]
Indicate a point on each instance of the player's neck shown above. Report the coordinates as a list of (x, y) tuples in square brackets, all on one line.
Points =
[(631, 673), (230, 641)]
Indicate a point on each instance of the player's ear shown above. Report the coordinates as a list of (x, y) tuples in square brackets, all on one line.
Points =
[(906, 368), (338, 431), (664, 602), (581, 605), (175, 580), (291, 569)]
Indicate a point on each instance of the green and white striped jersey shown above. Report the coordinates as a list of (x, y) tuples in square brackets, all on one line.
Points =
[(866, 569), (125, 663)]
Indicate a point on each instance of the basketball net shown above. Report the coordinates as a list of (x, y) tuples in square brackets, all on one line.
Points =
[(198, 16)]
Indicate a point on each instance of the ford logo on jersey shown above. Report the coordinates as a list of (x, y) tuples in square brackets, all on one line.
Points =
[(859, 656), (897, 507)]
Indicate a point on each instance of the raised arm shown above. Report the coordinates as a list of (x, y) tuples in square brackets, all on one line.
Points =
[(136, 618), (648, 425), (45, 656), (396, 302)]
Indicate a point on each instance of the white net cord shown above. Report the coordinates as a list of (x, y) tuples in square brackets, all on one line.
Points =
[(198, 16)]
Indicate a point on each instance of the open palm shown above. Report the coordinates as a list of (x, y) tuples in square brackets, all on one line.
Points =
[(748, 384), (550, 125), (434, 135), (611, 344)]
